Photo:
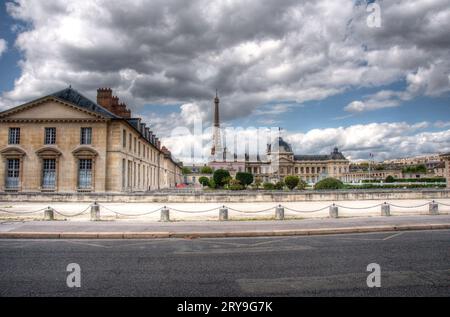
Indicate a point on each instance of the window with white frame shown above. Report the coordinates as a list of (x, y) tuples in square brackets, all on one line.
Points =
[(14, 136), (50, 136), (49, 174), (86, 136), (13, 173), (85, 174)]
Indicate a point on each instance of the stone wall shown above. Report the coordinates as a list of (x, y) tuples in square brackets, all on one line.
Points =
[(212, 197)]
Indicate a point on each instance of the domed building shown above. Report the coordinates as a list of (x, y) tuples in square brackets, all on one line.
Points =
[(281, 162)]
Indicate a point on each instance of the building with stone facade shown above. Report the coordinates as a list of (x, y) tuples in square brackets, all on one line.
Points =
[(446, 158), (279, 160), (65, 142)]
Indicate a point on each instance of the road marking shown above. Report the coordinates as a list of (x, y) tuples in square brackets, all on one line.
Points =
[(393, 236)]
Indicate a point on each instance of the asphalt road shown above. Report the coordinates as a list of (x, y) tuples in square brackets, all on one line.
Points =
[(412, 264)]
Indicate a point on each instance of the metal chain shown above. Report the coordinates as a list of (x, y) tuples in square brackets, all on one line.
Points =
[(397, 206), (307, 211), (340, 206), (250, 212), (22, 212), (194, 212), (131, 215), (74, 215)]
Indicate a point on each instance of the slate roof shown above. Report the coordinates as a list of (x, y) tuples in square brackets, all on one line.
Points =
[(76, 98), (335, 155)]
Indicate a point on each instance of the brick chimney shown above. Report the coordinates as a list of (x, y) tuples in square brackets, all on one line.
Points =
[(104, 97), (106, 100)]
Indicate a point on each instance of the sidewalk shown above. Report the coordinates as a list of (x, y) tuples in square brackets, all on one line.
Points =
[(214, 229)]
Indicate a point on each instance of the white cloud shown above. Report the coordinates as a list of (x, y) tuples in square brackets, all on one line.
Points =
[(156, 51), (3, 46), (385, 140)]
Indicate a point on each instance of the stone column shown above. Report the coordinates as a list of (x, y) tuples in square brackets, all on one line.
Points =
[(385, 209), (165, 214), (279, 213), (223, 214), (95, 212)]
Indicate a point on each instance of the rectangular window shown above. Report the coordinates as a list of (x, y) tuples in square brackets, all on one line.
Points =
[(13, 173), (139, 148), (85, 174), (86, 136), (14, 136), (135, 147), (49, 174), (129, 141), (50, 136), (124, 138)]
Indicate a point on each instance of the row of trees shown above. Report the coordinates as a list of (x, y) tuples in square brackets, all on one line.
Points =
[(222, 179)]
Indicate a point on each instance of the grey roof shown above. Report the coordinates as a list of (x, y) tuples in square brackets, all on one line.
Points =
[(74, 97), (335, 155), (311, 157), (279, 145)]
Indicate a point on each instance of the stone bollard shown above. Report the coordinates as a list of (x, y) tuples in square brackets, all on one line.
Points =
[(48, 214), (165, 215), (223, 213), (385, 209), (334, 211), (279, 213), (433, 208), (95, 212)]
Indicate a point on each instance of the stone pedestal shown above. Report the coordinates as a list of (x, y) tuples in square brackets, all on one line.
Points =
[(223, 214), (49, 214), (279, 213), (95, 212), (165, 215), (385, 209), (433, 208), (334, 211)]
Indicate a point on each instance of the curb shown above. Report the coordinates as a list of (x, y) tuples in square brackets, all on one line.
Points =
[(193, 235)]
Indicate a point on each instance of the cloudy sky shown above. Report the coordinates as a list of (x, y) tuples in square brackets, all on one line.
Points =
[(320, 69)]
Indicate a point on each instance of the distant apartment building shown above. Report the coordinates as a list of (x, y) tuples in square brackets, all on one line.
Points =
[(65, 142)]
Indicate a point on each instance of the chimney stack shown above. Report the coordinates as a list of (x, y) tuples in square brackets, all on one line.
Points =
[(110, 103)]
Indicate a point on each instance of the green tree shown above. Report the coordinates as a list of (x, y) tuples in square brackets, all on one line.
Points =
[(329, 183), (206, 170), (302, 185), (221, 177), (204, 180), (244, 178), (390, 179), (235, 184), (186, 170), (279, 185), (212, 183), (291, 181)]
